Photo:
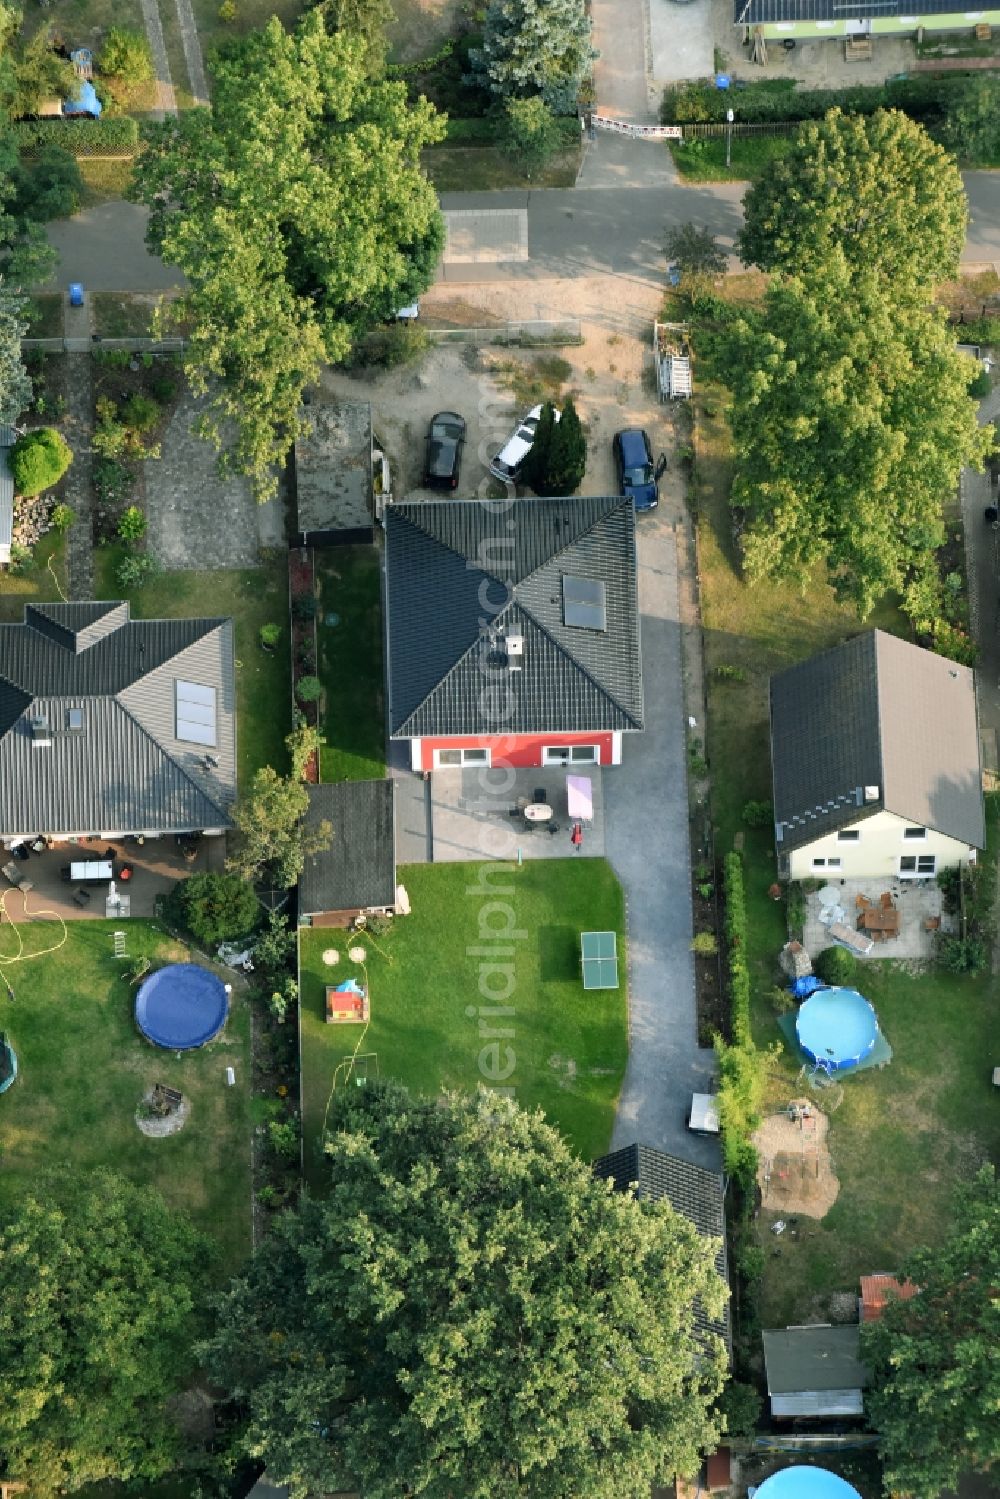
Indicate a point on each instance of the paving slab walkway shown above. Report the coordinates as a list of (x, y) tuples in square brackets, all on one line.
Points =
[(646, 834)]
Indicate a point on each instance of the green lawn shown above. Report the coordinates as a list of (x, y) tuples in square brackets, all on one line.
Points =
[(900, 1137), (121, 315), (568, 1047), (350, 663), (45, 315), (704, 160), (84, 1067), (253, 596), (456, 168), (37, 585)]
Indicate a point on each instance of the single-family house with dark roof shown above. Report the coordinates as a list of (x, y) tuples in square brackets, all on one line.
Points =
[(816, 20), (112, 726), (815, 1371), (876, 763), (356, 872), (692, 1190), (512, 631)]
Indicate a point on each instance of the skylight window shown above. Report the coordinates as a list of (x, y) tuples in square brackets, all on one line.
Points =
[(584, 603), (195, 713)]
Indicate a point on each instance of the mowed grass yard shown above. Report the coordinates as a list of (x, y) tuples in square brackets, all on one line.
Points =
[(83, 1068), (350, 663), (899, 1138), (426, 977), (252, 597)]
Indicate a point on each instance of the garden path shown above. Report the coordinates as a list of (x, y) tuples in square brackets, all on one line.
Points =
[(77, 489)]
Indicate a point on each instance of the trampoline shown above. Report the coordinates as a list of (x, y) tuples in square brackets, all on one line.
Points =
[(837, 1029), (806, 1483), (181, 1006)]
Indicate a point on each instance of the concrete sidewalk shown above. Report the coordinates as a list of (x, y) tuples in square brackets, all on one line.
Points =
[(646, 834)]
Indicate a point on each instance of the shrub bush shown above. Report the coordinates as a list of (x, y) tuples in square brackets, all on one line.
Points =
[(62, 517), (214, 907), (962, 954), (132, 526), (304, 607), (127, 55), (388, 348), (926, 99), (704, 944), (39, 459), (758, 814), (134, 569), (140, 414), (835, 965), (308, 689), (113, 481), (270, 634)]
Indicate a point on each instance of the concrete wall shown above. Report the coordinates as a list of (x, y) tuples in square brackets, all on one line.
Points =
[(904, 25), (876, 853)]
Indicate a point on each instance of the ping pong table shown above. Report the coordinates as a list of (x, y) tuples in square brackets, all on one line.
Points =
[(599, 960)]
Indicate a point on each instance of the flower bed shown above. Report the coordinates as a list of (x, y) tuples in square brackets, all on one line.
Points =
[(302, 607)]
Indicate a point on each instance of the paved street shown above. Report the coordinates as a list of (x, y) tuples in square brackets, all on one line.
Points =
[(646, 835)]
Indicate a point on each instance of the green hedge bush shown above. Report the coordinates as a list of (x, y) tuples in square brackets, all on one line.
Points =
[(39, 459), (118, 135), (923, 98), (835, 965)]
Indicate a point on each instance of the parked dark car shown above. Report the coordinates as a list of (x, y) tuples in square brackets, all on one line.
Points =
[(445, 441), (634, 461)]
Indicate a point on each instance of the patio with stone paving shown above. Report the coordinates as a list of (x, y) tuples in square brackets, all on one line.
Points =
[(921, 917)]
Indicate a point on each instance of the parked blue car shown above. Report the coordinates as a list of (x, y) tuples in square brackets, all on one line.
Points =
[(637, 479)]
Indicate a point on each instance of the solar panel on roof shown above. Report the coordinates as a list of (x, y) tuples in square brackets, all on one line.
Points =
[(195, 713), (584, 603)]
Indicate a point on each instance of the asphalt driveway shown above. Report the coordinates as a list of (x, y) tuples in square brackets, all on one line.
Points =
[(646, 834)]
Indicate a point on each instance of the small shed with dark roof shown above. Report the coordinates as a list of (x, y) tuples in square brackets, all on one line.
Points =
[(815, 1371), (691, 1190), (876, 762), (357, 871), (333, 475)]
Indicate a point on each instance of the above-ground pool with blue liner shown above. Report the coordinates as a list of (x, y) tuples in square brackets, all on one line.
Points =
[(181, 1006), (837, 1028)]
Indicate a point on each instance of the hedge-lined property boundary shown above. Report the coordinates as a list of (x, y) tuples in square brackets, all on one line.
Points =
[(923, 98), (118, 136), (739, 1061)]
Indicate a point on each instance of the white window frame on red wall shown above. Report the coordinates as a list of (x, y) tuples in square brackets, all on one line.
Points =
[(552, 754)]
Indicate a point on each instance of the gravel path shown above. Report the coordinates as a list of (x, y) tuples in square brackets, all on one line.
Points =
[(192, 51)]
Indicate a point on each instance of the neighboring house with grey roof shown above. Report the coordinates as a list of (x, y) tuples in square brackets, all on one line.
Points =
[(876, 763), (692, 1190), (356, 872), (112, 726), (7, 439), (815, 1371), (816, 20), (512, 631)]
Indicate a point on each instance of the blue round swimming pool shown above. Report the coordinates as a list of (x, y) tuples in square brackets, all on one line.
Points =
[(806, 1483), (836, 1028), (181, 1006)]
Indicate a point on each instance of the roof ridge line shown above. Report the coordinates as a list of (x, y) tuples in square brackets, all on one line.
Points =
[(167, 754), (573, 660), (619, 499), (446, 545), (451, 670)]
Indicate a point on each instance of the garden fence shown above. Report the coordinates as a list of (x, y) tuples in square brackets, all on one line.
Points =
[(565, 331)]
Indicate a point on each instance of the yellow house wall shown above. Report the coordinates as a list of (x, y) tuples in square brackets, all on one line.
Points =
[(876, 853), (883, 25)]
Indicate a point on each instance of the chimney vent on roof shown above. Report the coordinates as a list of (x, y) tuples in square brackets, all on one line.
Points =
[(871, 793), (40, 732), (515, 650)]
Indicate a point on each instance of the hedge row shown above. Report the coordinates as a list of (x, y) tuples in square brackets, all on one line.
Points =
[(736, 949), (118, 135), (924, 98)]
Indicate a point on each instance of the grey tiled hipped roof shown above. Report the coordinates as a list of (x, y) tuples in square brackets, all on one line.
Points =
[(358, 870), (462, 574), (875, 725), (768, 12), (123, 768), (691, 1190)]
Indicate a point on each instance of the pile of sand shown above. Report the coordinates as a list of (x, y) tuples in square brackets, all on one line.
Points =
[(795, 1173)]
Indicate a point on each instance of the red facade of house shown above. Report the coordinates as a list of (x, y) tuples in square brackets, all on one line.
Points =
[(517, 750)]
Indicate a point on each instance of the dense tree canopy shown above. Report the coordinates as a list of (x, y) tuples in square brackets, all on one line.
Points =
[(875, 186), (935, 1392), (214, 907), (39, 459), (97, 1318), (15, 384), (469, 1312), (852, 422), (297, 209), (535, 47), (272, 842)]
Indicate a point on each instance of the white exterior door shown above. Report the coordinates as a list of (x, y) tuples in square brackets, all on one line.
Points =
[(859, 27)]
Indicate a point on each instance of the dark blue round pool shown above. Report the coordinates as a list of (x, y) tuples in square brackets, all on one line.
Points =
[(181, 1006), (837, 1028)]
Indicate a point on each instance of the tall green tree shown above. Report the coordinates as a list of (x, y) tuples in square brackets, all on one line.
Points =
[(875, 187), (567, 457), (299, 213), (529, 133), (467, 1311), (852, 422), (535, 47), (971, 124), (272, 842), (536, 464), (934, 1396), (98, 1314), (39, 74), (367, 19)]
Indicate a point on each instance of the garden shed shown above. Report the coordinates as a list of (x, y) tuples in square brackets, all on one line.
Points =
[(815, 1371), (356, 873)]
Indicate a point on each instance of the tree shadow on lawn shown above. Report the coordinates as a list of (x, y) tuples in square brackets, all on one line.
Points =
[(558, 954)]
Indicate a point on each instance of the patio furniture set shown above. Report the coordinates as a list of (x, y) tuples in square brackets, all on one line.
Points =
[(881, 921)]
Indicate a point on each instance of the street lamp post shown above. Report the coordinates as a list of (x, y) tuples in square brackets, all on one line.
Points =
[(729, 137)]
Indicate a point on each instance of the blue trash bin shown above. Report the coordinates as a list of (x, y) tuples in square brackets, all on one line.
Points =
[(76, 294)]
